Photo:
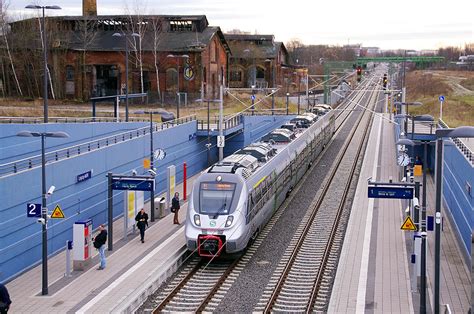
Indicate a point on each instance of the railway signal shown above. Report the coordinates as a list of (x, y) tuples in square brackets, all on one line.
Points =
[(385, 81), (359, 73)]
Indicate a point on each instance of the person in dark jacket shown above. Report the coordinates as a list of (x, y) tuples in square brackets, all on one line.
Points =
[(99, 243), (175, 207), (4, 299), (142, 223)]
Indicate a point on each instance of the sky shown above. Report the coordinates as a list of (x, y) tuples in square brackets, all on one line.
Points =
[(401, 24)]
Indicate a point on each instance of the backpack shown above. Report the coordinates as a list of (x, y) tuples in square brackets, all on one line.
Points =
[(97, 244)]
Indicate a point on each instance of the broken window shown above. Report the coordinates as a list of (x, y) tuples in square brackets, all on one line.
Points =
[(181, 26)]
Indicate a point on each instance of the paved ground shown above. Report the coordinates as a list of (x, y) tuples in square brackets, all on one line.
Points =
[(129, 267), (374, 274)]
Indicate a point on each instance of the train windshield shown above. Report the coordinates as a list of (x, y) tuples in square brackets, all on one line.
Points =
[(216, 198)]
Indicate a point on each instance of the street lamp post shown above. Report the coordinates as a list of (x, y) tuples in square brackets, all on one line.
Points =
[(44, 210), (45, 55), (426, 118), (287, 100), (152, 158), (126, 68), (178, 93), (462, 131)]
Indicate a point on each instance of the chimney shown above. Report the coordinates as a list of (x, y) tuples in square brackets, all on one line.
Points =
[(89, 8)]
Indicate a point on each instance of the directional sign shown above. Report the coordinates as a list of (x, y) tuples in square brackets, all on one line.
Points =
[(441, 98), (252, 97), (57, 213), (132, 184), (33, 210), (408, 225), (390, 192)]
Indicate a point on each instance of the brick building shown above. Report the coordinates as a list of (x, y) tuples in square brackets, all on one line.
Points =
[(86, 59), (256, 60)]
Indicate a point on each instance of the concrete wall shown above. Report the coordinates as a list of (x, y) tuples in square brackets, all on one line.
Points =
[(458, 176)]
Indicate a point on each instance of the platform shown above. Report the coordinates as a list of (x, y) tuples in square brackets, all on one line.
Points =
[(374, 272), (133, 270)]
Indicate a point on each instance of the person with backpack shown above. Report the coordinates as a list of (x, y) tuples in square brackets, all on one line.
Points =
[(175, 208), (142, 223), (99, 243)]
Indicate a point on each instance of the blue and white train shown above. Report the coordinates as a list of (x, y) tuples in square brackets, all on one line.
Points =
[(232, 200)]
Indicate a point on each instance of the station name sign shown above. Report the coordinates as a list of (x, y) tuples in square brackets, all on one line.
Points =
[(84, 176), (390, 192)]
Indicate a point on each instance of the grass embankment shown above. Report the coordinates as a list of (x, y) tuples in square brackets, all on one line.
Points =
[(426, 86)]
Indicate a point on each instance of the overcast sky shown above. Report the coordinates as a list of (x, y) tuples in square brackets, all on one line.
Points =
[(405, 24)]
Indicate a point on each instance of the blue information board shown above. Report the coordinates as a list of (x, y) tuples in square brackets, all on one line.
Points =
[(132, 184), (390, 192)]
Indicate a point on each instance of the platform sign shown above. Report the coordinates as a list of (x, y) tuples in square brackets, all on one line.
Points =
[(220, 141), (390, 192), (408, 225), (33, 210), (84, 176), (57, 213), (138, 184)]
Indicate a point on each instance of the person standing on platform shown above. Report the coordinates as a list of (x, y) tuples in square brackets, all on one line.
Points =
[(142, 223), (175, 207), (4, 299), (99, 243)]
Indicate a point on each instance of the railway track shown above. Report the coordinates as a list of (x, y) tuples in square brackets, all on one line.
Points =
[(201, 285), (302, 281)]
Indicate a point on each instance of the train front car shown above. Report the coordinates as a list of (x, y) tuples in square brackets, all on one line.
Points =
[(216, 213)]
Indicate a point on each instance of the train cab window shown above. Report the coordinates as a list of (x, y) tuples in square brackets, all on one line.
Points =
[(216, 198)]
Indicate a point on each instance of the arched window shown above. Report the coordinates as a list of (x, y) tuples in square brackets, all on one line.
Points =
[(171, 80), (260, 73)]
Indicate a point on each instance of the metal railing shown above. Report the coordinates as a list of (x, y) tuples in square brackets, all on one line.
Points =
[(38, 120), (214, 123), (76, 150), (460, 144)]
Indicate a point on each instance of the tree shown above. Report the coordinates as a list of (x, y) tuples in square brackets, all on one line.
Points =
[(156, 34), (5, 31), (87, 34)]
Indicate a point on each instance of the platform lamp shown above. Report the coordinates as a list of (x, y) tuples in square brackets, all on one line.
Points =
[(45, 54), (44, 210), (178, 93), (126, 68), (423, 214), (463, 132)]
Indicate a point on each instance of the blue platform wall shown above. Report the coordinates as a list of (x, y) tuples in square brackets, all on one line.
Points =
[(458, 174), (254, 128), (13, 148), (20, 237)]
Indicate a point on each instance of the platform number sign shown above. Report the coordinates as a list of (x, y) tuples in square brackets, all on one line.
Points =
[(33, 210), (220, 141)]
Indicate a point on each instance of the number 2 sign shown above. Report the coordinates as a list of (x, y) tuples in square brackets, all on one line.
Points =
[(33, 210)]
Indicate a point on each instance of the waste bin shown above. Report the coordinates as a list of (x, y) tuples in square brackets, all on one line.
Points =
[(162, 208)]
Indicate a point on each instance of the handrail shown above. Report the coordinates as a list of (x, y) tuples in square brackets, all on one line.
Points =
[(38, 120), (468, 153), (64, 153)]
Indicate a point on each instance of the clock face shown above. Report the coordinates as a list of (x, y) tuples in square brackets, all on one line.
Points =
[(159, 154), (403, 159)]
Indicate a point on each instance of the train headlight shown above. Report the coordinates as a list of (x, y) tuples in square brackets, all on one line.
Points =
[(197, 220), (229, 221)]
